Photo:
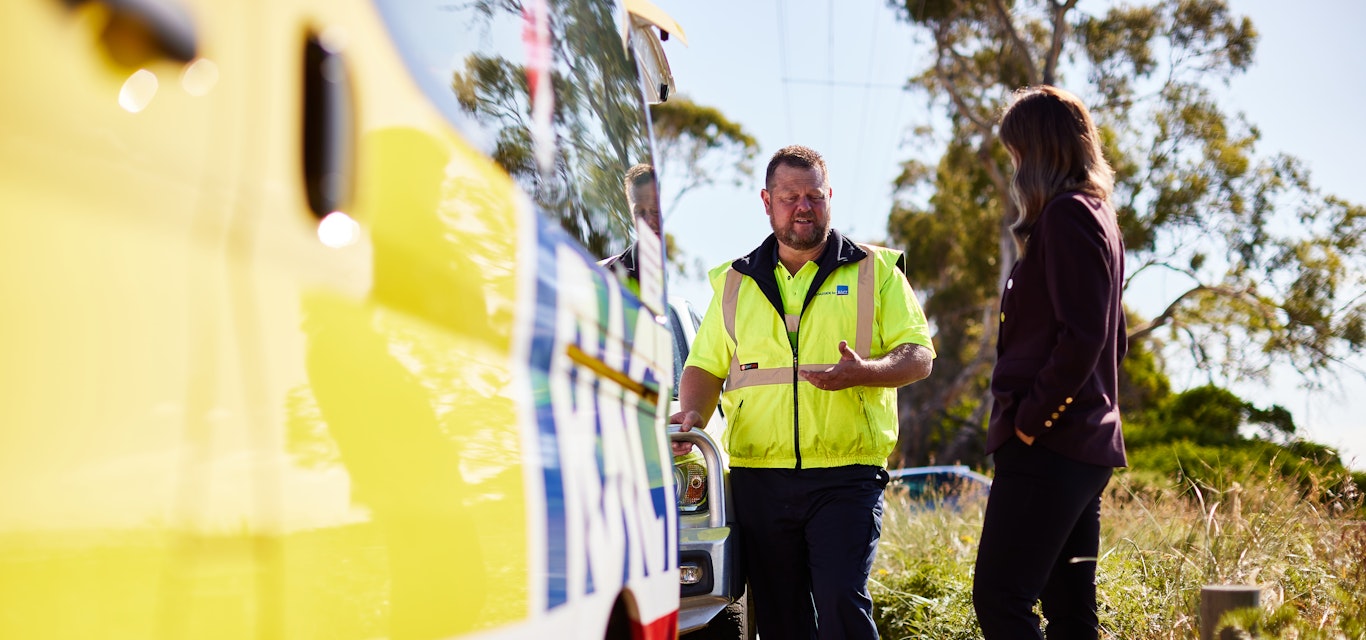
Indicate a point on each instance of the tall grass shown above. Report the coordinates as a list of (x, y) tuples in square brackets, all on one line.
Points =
[(1161, 541)]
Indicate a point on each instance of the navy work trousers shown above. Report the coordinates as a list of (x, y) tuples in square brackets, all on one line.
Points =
[(1040, 538), (809, 540)]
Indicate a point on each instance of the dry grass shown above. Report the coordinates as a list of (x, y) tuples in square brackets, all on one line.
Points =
[(1160, 543)]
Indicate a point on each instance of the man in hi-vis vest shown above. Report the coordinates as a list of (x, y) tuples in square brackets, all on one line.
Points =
[(811, 334)]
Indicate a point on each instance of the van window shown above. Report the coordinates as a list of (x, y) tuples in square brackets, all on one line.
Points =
[(473, 58), (681, 347)]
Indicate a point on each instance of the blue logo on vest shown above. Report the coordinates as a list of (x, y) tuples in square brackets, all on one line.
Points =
[(842, 290)]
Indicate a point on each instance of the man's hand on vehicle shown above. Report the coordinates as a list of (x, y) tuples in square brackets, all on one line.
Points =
[(685, 420)]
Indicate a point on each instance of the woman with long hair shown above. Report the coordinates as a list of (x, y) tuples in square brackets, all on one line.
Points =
[(1055, 425)]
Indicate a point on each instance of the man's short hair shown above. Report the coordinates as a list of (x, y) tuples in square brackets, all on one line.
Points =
[(797, 156), (639, 176)]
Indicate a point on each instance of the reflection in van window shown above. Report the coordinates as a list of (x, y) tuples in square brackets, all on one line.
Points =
[(482, 53), (680, 347)]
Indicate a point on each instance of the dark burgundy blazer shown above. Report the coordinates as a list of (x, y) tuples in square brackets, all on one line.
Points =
[(1062, 335)]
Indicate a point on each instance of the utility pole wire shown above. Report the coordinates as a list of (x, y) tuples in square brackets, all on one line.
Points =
[(782, 59), (867, 100), (830, 75), (846, 83)]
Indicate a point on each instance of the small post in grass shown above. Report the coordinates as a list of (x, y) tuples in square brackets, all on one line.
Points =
[(1216, 599)]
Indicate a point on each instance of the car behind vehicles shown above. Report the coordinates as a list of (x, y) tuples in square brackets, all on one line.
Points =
[(301, 337), (715, 603), (943, 486)]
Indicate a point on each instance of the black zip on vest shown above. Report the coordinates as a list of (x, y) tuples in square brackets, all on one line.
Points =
[(759, 266)]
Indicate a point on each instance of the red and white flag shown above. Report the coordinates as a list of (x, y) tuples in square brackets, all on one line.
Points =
[(536, 37)]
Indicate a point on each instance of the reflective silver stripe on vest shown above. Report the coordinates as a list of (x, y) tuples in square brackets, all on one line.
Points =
[(755, 377), (731, 299), (863, 332), (867, 294)]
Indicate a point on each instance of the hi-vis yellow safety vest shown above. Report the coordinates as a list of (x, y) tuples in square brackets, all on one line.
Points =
[(774, 418)]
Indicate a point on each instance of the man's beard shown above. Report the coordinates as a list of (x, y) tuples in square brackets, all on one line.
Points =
[(790, 237)]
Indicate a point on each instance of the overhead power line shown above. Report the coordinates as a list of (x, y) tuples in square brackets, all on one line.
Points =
[(830, 75), (845, 83), (867, 102), (782, 57)]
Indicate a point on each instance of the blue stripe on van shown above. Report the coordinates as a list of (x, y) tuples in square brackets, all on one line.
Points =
[(542, 350)]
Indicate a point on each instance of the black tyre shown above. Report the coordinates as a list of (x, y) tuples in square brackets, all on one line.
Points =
[(619, 625), (735, 622)]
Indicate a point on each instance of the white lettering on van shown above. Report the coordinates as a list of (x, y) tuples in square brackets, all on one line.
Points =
[(612, 529), (658, 519)]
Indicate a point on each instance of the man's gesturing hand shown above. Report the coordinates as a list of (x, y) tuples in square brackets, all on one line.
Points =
[(848, 372), (904, 364)]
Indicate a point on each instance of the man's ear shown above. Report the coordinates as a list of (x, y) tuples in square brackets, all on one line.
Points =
[(763, 195)]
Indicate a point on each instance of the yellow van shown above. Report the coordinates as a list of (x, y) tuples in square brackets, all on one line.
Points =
[(303, 335)]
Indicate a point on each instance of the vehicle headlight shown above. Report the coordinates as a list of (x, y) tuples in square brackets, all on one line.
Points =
[(690, 481)]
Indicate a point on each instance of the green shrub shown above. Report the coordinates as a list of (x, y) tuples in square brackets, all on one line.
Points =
[(1313, 469)]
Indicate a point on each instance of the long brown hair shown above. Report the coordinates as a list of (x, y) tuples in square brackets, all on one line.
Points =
[(1056, 149)]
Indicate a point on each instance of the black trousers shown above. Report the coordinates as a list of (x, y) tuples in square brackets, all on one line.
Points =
[(1040, 538), (809, 540)]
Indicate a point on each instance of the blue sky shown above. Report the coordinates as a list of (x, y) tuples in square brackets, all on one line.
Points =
[(826, 73)]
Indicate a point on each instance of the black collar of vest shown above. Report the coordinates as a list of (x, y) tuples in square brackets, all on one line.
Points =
[(761, 262)]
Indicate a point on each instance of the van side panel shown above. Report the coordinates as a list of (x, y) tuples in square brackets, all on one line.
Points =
[(216, 424)]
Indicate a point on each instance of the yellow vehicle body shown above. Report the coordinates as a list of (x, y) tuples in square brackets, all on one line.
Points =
[(427, 416)]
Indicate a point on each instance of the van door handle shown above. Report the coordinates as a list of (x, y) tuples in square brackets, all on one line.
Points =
[(163, 27)]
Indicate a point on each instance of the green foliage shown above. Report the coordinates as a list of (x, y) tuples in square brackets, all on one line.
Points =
[(1272, 269), (1206, 415), (945, 262), (598, 121), (696, 146), (1199, 436), (1312, 469), (1161, 543), (1144, 390), (701, 144), (922, 582)]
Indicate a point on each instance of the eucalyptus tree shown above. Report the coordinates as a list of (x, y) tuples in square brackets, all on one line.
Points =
[(1270, 270), (592, 122), (696, 146)]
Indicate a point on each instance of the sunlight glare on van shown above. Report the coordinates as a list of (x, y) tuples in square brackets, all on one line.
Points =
[(338, 230), (199, 77), (138, 91)]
